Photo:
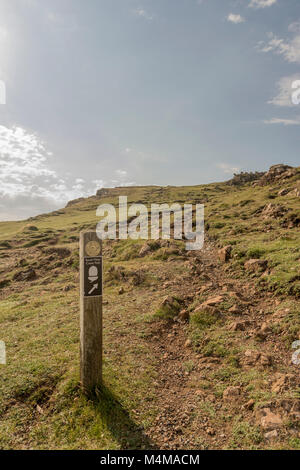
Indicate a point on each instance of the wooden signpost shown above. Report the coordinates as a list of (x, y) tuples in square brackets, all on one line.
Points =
[(90, 311)]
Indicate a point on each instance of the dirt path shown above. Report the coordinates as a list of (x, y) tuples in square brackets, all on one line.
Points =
[(192, 415), (213, 396)]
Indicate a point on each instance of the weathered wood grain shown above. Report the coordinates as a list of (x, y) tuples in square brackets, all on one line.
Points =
[(90, 326)]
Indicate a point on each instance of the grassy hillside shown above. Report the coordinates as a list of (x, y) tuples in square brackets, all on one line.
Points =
[(197, 351)]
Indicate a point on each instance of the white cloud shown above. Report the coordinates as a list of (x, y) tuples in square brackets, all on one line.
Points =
[(285, 122), (122, 179), (261, 3), (294, 27), (289, 49), (227, 168), (121, 173), (284, 96), (22, 161), (98, 184), (232, 18), (28, 184), (141, 13)]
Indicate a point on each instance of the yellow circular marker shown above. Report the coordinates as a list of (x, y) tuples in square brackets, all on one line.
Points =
[(92, 248)]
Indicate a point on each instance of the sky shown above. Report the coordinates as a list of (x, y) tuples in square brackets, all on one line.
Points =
[(103, 93)]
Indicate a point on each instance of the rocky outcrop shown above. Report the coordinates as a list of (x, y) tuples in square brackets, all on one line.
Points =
[(292, 220), (274, 211), (283, 382), (256, 265), (283, 192), (269, 420), (102, 192), (295, 192), (211, 302), (253, 357), (276, 173), (28, 275), (231, 393), (224, 254), (75, 201), (145, 250)]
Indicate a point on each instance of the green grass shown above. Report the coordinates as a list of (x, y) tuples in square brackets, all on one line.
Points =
[(42, 349), (245, 435), (169, 311), (39, 321)]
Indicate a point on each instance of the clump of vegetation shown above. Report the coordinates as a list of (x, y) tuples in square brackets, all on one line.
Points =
[(31, 228), (244, 177), (125, 250), (116, 273), (255, 252), (169, 308), (215, 348), (4, 283), (5, 245), (31, 243), (204, 319), (165, 253), (245, 435)]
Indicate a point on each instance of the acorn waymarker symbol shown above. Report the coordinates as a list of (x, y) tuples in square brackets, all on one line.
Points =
[(90, 311)]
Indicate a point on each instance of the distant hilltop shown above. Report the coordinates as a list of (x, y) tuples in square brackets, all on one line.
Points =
[(278, 172), (110, 192)]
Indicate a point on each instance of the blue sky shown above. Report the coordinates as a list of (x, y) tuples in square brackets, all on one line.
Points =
[(120, 92)]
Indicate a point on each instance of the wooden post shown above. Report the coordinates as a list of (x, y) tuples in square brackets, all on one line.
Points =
[(90, 311)]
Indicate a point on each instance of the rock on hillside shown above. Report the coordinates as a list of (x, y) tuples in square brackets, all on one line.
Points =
[(75, 201), (276, 173)]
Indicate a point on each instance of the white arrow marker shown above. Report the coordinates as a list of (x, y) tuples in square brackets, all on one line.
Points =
[(2, 353), (93, 288)]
